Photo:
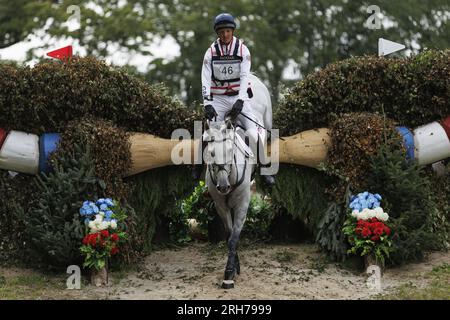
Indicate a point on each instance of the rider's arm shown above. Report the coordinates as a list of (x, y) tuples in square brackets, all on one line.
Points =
[(206, 78), (245, 72)]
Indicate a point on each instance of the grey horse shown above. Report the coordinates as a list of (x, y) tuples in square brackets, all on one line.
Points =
[(230, 166)]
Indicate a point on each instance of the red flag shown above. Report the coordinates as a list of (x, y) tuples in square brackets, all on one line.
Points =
[(61, 53)]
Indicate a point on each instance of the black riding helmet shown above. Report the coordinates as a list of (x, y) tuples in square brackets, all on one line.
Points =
[(224, 20)]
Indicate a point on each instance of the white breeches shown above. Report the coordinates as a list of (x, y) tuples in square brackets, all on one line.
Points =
[(223, 104)]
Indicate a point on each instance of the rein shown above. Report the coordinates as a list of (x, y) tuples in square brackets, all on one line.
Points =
[(240, 179)]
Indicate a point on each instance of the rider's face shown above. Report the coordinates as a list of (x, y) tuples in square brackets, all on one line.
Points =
[(225, 35)]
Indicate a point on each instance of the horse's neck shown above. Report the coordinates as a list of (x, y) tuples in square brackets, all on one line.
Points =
[(241, 165)]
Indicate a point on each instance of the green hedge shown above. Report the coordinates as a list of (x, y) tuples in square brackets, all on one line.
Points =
[(47, 97), (88, 101), (412, 92)]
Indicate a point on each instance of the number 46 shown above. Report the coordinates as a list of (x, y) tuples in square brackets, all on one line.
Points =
[(228, 70)]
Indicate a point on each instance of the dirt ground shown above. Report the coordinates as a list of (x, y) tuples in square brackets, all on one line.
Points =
[(268, 271)]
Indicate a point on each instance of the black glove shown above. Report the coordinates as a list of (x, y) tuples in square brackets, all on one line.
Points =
[(210, 112), (237, 108)]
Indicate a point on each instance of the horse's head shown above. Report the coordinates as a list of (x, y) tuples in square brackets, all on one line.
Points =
[(219, 153)]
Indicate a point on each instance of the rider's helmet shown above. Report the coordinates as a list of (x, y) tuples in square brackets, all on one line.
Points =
[(224, 20)]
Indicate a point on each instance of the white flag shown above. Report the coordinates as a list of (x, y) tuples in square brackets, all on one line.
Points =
[(386, 47)]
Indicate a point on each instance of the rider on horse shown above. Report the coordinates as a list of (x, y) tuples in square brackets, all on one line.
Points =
[(225, 85)]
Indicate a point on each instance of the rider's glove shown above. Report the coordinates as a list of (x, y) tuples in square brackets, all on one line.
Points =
[(237, 108), (210, 112)]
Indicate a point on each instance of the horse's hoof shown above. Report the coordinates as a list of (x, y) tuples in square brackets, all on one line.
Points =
[(227, 284)]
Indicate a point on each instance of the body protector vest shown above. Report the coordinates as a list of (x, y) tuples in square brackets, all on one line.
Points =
[(226, 68)]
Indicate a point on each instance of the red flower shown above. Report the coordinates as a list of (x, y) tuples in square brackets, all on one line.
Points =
[(91, 239), (387, 230), (104, 233), (114, 251), (115, 237), (378, 231), (375, 238), (366, 232)]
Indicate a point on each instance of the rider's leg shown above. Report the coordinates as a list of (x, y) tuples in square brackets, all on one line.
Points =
[(257, 136)]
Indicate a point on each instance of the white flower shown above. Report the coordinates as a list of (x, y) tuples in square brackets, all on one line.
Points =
[(362, 215), (371, 214), (355, 213), (92, 226), (101, 213), (384, 216), (104, 225), (378, 210), (98, 218), (113, 224)]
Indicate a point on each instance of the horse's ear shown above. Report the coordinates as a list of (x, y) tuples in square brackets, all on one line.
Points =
[(207, 125)]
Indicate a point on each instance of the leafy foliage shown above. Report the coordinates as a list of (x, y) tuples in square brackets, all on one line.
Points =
[(156, 194), (52, 221), (411, 202), (354, 138), (52, 94), (16, 193), (110, 151), (380, 248), (412, 91), (330, 237)]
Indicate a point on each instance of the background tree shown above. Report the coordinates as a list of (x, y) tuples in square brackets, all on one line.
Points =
[(305, 34)]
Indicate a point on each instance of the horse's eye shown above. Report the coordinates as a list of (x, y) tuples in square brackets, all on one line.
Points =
[(213, 154)]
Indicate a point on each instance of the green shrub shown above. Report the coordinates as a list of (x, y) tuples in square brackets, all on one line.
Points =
[(199, 207), (110, 151), (52, 221), (260, 214), (408, 197), (47, 97), (89, 102), (412, 91), (156, 195), (16, 192)]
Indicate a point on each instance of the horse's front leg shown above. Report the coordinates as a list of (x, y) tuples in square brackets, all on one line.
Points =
[(233, 265)]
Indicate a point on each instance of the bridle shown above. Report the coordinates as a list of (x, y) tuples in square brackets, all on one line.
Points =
[(222, 167)]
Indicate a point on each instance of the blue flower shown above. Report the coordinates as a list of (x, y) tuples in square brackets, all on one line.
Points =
[(109, 202), (94, 208), (103, 207), (108, 215), (365, 200), (87, 208), (100, 201), (86, 221)]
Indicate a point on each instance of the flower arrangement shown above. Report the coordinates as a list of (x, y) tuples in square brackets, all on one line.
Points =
[(367, 229), (103, 220)]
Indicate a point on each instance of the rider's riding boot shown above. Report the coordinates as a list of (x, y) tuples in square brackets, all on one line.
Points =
[(268, 180)]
